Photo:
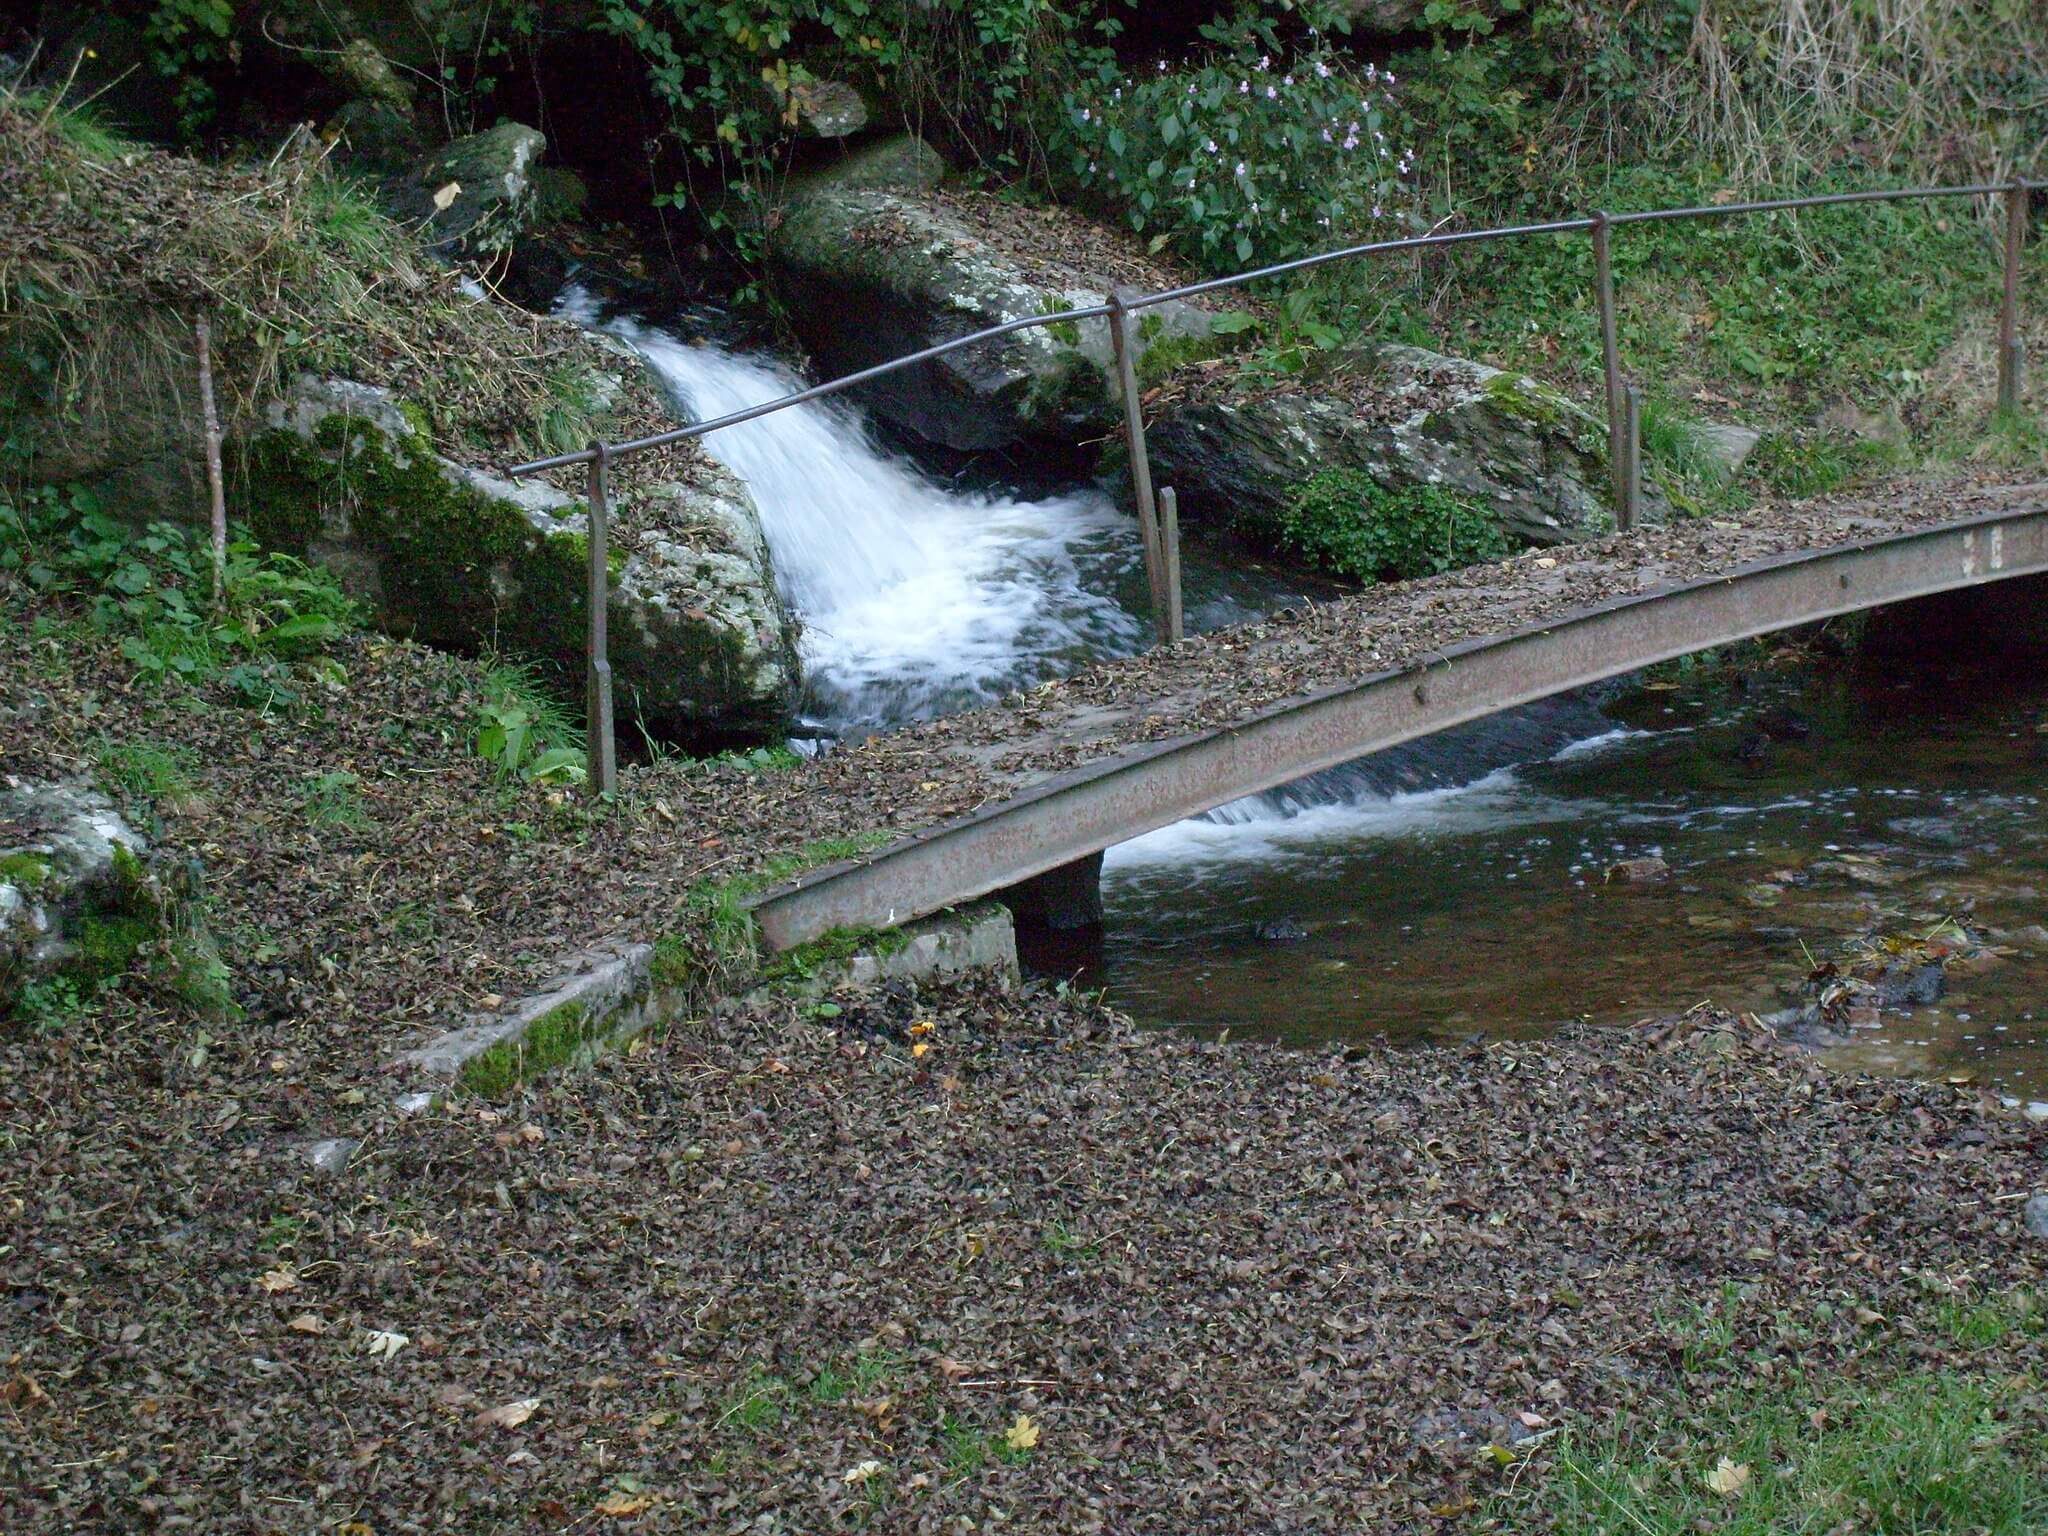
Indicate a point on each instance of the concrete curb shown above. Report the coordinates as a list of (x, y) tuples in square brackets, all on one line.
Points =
[(617, 997)]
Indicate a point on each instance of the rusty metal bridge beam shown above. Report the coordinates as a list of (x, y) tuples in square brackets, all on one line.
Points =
[(1070, 817)]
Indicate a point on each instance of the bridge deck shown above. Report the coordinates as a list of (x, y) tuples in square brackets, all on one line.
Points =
[(1004, 793)]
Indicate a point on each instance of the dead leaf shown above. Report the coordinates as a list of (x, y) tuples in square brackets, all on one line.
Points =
[(1729, 1478), (622, 1504), (283, 1278), (861, 1472), (509, 1415), (384, 1343), (950, 1368), (307, 1322), (445, 198), (1022, 1435)]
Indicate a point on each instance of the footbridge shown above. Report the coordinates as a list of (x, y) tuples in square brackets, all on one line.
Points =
[(1058, 775)]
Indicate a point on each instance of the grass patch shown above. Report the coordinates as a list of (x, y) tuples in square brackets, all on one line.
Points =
[(715, 944), (555, 1039), (334, 799), (840, 945), (147, 771), (1913, 1455), (760, 1402)]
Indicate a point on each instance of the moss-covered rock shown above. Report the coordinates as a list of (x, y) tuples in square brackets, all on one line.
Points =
[(875, 266), (1405, 417), (347, 476), (476, 195), (79, 906)]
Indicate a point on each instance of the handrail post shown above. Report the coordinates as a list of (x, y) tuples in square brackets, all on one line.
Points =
[(597, 676), (1631, 508), (1169, 548), (2011, 360), (1141, 466), (1610, 363)]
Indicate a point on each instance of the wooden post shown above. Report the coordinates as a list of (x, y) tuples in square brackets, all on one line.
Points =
[(211, 417), (2011, 358), (603, 751), (1141, 466), (1631, 509), (1610, 364), (1169, 541)]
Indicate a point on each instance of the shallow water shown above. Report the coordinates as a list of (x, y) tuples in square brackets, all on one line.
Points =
[(1444, 912)]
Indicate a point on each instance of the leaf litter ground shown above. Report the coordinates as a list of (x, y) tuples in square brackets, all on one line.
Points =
[(699, 1287)]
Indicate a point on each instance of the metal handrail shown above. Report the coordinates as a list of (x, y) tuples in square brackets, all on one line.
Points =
[(2020, 185), (1623, 403)]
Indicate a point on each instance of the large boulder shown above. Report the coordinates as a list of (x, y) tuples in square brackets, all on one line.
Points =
[(701, 647), (473, 197), (876, 261), (1405, 417)]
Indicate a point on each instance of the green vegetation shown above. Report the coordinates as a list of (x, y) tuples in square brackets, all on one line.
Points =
[(152, 588), (841, 944), (714, 944), (1251, 152), (334, 799), (1345, 522), (147, 771), (24, 871), (1882, 1444), (524, 730), (556, 1039), (1914, 1454)]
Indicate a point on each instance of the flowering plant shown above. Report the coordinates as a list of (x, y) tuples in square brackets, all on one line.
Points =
[(1243, 156)]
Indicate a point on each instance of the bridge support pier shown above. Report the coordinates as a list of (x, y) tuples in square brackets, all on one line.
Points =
[(1066, 901)]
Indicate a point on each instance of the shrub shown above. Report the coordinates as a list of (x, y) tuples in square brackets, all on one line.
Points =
[(153, 588), (1346, 522), (1243, 156)]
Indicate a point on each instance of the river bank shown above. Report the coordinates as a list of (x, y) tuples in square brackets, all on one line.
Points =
[(960, 1256)]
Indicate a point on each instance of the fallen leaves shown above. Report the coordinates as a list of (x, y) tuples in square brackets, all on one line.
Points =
[(273, 1282), (861, 1472), (1022, 1435), (623, 1505), (383, 1343), (1729, 1478), (307, 1322), (509, 1415)]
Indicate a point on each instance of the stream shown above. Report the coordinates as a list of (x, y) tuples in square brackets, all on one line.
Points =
[(1458, 886)]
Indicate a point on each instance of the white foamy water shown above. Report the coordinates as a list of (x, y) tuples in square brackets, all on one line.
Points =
[(915, 598), (1264, 828)]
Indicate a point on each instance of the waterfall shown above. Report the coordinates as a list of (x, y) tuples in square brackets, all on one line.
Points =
[(915, 598)]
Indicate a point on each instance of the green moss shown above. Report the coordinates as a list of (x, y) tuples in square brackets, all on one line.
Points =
[(833, 948), (454, 567), (555, 1039), (107, 945), (24, 871), (1160, 355)]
